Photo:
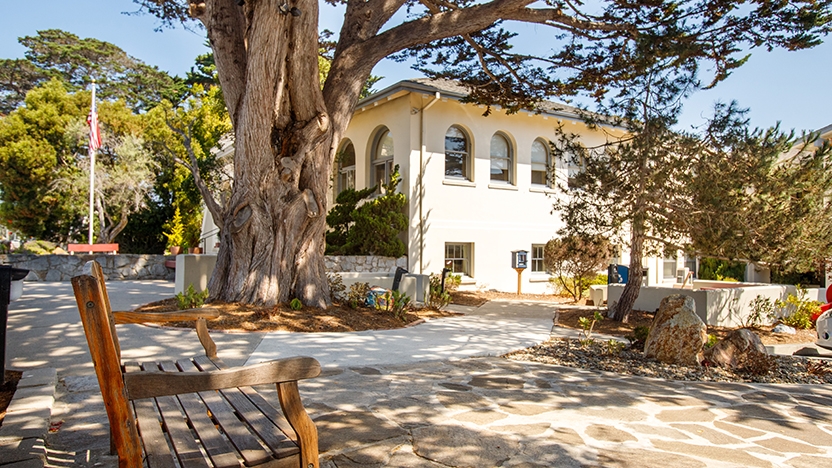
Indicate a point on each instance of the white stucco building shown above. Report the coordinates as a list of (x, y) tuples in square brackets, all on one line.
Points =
[(477, 186)]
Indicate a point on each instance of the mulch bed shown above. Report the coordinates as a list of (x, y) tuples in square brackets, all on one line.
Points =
[(338, 318)]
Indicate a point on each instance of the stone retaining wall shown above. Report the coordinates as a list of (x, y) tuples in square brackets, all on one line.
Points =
[(364, 264), (141, 267), (116, 267)]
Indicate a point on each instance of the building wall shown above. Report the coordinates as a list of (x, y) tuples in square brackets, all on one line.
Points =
[(493, 218)]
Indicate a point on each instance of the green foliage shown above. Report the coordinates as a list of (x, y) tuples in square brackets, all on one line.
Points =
[(396, 302), (295, 304), (796, 310), (340, 219), (587, 324), (176, 230), (336, 286), (781, 275), (437, 298), (357, 295), (56, 54), (721, 270), (190, 299), (762, 312), (372, 228), (574, 261), (639, 337), (613, 347), (37, 247), (712, 340)]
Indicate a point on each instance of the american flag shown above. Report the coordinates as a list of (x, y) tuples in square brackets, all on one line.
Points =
[(95, 135)]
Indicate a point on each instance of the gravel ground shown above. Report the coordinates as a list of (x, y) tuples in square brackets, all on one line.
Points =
[(598, 356)]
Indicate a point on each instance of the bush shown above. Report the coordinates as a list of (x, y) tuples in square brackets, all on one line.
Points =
[(797, 310), (398, 303), (357, 296), (38, 247), (437, 298), (762, 312), (336, 286), (721, 270), (190, 299), (574, 261)]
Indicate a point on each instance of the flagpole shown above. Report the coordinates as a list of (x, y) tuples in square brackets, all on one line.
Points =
[(92, 168)]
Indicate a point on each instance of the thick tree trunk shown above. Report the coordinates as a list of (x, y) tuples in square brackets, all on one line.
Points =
[(272, 241), (624, 306)]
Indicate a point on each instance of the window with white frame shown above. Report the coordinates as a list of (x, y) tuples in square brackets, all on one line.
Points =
[(574, 166), (538, 263), (458, 258), (345, 179), (540, 163), (690, 264), (382, 158), (502, 159), (457, 154), (669, 270)]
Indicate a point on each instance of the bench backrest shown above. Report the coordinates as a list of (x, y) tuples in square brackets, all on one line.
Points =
[(100, 330), (92, 248)]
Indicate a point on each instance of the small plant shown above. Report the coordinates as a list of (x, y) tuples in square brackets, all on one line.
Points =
[(190, 299), (587, 325), (398, 303), (336, 286), (357, 296), (613, 347), (762, 312), (712, 339), (437, 298), (797, 311), (295, 304), (639, 337), (452, 282)]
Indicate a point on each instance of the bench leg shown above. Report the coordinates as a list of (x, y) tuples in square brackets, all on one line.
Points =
[(287, 393)]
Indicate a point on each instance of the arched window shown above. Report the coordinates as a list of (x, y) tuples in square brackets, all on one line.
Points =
[(382, 159), (345, 178), (457, 153), (502, 159), (540, 163)]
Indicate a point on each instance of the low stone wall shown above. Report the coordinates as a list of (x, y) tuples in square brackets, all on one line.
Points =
[(141, 267), (364, 264), (115, 267)]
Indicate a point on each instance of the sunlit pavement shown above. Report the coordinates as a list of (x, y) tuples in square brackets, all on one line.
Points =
[(412, 400)]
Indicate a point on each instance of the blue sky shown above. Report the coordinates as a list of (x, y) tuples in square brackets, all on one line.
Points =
[(790, 87)]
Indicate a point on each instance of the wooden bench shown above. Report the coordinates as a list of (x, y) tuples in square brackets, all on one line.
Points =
[(90, 248), (194, 412)]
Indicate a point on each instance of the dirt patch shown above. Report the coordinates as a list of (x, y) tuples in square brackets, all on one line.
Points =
[(237, 317), (7, 391)]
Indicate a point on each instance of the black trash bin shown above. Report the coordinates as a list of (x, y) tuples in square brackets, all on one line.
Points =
[(7, 275)]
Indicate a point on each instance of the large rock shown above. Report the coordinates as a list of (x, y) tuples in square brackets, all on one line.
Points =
[(739, 348), (677, 334)]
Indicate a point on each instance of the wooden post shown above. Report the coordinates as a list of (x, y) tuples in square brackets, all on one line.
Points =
[(519, 281)]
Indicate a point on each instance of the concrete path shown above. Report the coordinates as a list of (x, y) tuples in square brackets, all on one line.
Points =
[(415, 397)]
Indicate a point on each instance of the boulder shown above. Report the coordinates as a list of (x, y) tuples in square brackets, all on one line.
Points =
[(677, 334), (740, 347)]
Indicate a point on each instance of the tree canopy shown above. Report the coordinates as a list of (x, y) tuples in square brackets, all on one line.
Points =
[(77, 62)]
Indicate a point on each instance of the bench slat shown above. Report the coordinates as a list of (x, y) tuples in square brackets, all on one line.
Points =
[(245, 443), (269, 431), (220, 451), (181, 437), (150, 429)]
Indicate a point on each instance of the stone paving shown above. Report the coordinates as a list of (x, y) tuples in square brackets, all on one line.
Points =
[(485, 412)]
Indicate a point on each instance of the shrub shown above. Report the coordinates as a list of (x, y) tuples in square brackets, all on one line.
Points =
[(587, 324), (190, 299), (720, 270), (797, 311), (38, 247), (357, 296), (398, 303), (176, 234), (295, 304), (639, 337), (762, 312), (336, 286), (437, 298), (574, 261)]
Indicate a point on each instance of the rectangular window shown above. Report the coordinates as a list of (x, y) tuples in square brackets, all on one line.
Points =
[(538, 265), (669, 268), (458, 258)]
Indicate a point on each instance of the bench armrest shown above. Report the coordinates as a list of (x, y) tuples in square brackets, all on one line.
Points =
[(161, 317), (150, 384)]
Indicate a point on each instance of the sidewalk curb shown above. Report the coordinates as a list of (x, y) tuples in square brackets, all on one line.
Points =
[(23, 434)]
